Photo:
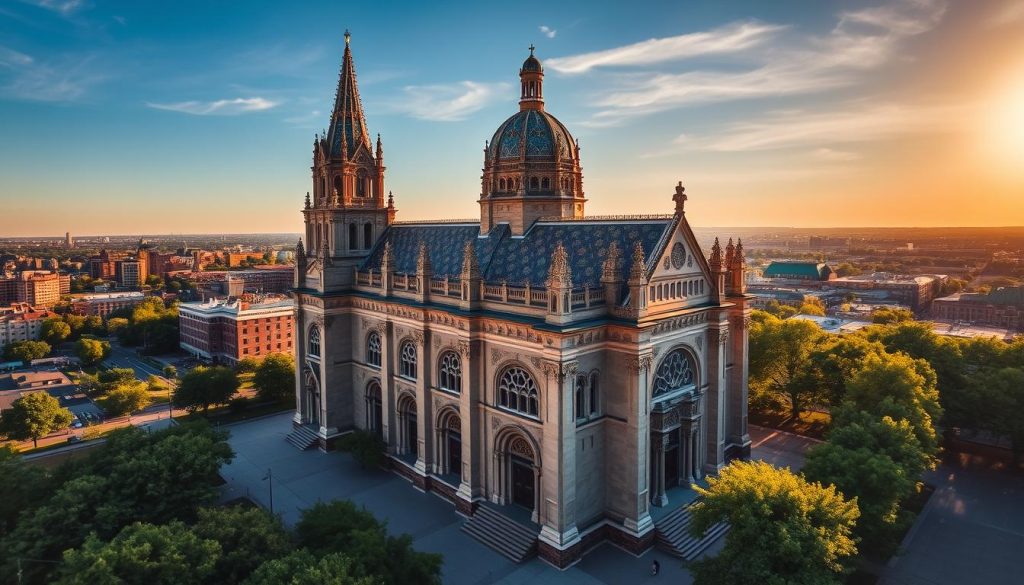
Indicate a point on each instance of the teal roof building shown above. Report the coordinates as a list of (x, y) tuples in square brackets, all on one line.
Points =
[(795, 270)]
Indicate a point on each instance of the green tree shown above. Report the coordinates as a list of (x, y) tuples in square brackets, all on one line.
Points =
[(247, 365), (897, 386), (33, 417), (812, 306), (54, 331), (248, 536), (836, 359), (302, 568), (126, 398), (25, 487), (91, 351), (275, 377), (116, 324), (143, 554), (880, 463), (784, 529), (170, 372), (77, 324), (341, 527), (26, 351), (205, 386), (780, 360), (1002, 391), (887, 315), (777, 309)]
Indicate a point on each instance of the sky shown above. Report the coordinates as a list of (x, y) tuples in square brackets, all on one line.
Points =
[(198, 117)]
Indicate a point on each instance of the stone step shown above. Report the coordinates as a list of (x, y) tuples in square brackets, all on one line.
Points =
[(506, 537), (302, 438), (672, 534)]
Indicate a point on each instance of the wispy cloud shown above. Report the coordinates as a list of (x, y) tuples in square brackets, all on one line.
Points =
[(61, 79), (1010, 13), (833, 155), (227, 107), (860, 122), (548, 31), (731, 38), (63, 7), (861, 41), (450, 102)]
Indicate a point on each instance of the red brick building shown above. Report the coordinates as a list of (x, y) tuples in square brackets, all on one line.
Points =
[(1003, 307), (227, 331), (103, 304), (39, 288)]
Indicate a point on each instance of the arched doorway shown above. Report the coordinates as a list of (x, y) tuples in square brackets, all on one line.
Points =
[(519, 469), (408, 429), (374, 409), (311, 399), (449, 443)]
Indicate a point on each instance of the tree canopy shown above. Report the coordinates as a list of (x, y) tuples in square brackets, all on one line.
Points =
[(126, 398), (274, 378), (54, 331), (26, 351), (205, 386), (34, 416), (91, 351), (784, 529), (779, 355)]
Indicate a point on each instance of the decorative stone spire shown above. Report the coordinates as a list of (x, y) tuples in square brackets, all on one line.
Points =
[(423, 260), (716, 256), (730, 252), (300, 250), (559, 272), (638, 271), (308, 204), (387, 259), (380, 150), (738, 260), (611, 269), (680, 198), (348, 125), (470, 265)]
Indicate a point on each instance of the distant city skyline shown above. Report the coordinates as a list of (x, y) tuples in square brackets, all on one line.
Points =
[(124, 118)]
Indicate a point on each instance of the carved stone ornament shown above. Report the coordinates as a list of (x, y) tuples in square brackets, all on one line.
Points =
[(520, 447), (637, 364), (463, 348), (495, 423), (698, 340), (418, 337)]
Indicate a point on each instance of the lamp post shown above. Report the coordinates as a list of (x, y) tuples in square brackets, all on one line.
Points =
[(269, 477)]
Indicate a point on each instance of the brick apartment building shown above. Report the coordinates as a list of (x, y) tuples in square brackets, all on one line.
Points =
[(38, 288), (227, 331), (1002, 307), (21, 322), (102, 304)]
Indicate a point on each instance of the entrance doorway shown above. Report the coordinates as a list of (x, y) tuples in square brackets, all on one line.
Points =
[(672, 461), (522, 483), (455, 452)]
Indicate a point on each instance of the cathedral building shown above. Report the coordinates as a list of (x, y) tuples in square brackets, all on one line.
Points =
[(570, 372)]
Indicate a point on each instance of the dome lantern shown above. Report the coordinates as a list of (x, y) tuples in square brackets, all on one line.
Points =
[(531, 77)]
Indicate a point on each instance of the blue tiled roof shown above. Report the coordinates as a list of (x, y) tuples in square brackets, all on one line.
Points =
[(540, 130), (521, 259)]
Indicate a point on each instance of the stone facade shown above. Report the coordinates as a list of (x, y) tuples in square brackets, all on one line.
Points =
[(573, 368)]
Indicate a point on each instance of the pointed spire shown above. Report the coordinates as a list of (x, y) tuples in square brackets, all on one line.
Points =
[(308, 203), (738, 258), (730, 251), (387, 258), (612, 267), (559, 272), (380, 149), (638, 271), (716, 256), (470, 265), (300, 250), (423, 260), (391, 200), (348, 125)]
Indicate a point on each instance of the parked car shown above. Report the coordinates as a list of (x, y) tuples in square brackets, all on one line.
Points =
[(76, 424), (74, 439)]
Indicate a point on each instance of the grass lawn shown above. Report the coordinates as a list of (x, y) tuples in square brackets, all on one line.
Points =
[(223, 415), (810, 424)]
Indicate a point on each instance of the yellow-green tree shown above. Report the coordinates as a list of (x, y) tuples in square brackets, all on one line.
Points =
[(33, 417), (780, 353), (784, 529)]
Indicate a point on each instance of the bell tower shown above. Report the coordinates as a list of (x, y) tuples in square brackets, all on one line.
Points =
[(348, 210)]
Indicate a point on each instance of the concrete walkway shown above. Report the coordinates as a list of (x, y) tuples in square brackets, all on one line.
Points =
[(303, 478)]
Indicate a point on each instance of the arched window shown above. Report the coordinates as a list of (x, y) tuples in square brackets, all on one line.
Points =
[(533, 183), (581, 396), (361, 184), (545, 183), (676, 372), (517, 391), (313, 348), (450, 372), (353, 239), (407, 361), (374, 409), (373, 349), (367, 235), (501, 184), (337, 183), (595, 395)]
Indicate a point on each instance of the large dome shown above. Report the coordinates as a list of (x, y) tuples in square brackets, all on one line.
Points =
[(539, 132)]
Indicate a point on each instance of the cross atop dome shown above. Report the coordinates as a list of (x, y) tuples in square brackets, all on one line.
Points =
[(531, 49)]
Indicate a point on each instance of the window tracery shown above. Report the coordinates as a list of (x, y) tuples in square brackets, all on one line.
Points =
[(676, 372), (518, 392)]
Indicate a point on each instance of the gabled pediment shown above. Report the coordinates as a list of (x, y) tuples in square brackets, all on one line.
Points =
[(679, 276)]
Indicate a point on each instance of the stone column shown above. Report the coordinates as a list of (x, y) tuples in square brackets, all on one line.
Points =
[(636, 468), (715, 405), (473, 448), (387, 387), (660, 499), (557, 486), (424, 407)]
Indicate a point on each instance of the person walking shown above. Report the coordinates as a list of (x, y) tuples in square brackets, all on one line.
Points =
[(655, 567)]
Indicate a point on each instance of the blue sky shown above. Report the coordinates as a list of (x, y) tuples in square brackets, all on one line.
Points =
[(141, 117)]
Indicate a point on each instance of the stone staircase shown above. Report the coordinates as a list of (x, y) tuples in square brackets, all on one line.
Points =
[(302, 438), (672, 534), (508, 537)]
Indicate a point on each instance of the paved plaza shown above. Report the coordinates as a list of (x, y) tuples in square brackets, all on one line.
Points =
[(303, 478), (972, 530)]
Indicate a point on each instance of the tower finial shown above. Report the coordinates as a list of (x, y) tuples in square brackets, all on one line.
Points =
[(680, 197), (348, 37), (531, 49)]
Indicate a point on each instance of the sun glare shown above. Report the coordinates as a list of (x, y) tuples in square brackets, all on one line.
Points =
[(1004, 138)]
